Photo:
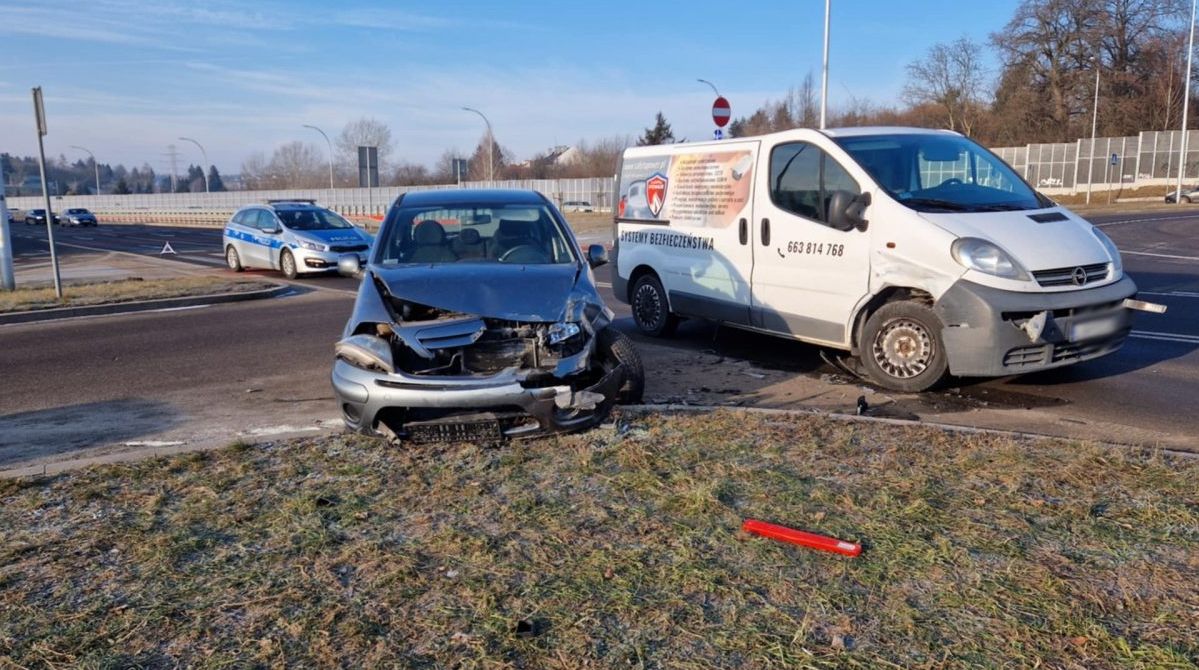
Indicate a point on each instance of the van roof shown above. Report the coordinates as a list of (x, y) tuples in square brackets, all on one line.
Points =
[(885, 130), (860, 131)]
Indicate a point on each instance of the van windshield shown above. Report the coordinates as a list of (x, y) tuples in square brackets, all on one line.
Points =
[(941, 173)]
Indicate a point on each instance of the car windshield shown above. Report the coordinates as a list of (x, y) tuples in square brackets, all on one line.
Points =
[(312, 219), (77, 211), (523, 234), (941, 173)]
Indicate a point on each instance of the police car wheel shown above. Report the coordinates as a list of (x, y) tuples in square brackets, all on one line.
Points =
[(1186, 199), (901, 347), (233, 259), (651, 311), (287, 263)]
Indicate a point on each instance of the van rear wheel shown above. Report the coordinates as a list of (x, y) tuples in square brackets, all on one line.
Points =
[(651, 310), (901, 347)]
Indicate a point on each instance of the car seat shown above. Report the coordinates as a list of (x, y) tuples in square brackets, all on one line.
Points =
[(469, 244), (513, 233), (429, 244)]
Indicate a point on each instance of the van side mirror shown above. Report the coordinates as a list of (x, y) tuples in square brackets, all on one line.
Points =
[(349, 265), (597, 255), (847, 211)]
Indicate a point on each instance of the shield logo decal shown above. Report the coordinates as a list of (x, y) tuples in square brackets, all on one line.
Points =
[(655, 193)]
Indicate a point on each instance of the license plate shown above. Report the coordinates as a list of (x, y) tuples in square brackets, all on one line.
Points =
[(1089, 330), (466, 431)]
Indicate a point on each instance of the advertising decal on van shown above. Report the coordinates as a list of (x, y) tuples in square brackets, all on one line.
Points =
[(704, 190)]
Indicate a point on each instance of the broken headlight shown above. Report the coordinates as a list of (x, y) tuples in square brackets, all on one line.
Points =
[(561, 332), (367, 352)]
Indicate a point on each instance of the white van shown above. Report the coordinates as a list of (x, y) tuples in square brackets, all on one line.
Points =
[(918, 251)]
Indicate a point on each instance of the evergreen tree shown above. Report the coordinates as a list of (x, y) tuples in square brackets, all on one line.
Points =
[(214, 180), (659, 134), (122, 187)]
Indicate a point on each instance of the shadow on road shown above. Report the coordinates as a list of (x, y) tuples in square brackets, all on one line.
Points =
[(61, 430)]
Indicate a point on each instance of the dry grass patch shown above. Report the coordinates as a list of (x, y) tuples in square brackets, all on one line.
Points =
[(127, 290), (615, 548)]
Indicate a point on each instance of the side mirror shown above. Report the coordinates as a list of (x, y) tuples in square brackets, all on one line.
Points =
[(597, 255), (846, 211), (348, 265), (273, 230)]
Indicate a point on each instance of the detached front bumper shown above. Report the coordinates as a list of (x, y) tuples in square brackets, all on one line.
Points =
[(988, 331), (419, 406)]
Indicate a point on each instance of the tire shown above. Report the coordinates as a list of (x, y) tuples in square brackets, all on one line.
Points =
[(1186, 199), (616, 347), (287, 263), (233, 259), (651, 309), (901, 347)]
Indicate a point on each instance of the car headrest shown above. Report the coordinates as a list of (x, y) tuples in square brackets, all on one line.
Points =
[(470, 236), (428, 233)]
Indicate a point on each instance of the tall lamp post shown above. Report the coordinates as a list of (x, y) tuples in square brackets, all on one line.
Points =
[(490, 144), (824, 76), (1186, 101), (705, 81), (94, 164), (205, 155), (330, 152), (1094, 127)]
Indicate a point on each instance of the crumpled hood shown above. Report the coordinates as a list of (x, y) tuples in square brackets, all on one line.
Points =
[(1036, 246), (540, 293), (335, 236)]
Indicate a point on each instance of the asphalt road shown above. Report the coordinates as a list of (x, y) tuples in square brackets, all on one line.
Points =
[(264, 365)]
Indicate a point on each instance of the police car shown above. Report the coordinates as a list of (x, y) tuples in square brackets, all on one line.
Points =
[(292, 236)]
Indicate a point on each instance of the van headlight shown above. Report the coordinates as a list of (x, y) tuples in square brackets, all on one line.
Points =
[(313, 246), (988, 258), (367, 352), (1117, 262)]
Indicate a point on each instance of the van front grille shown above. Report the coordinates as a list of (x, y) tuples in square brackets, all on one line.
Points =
[(1079, 275)]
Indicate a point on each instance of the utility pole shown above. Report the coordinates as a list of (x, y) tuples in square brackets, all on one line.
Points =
[(39, 113), (7, 282), (1094, 127), (824, 76), (1186, 101), (173, 154)]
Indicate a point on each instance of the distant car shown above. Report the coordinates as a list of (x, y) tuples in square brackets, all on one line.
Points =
[(1189, 194), (78, 216), (577, 206), (294, 237), (38, 217), (15, 214)]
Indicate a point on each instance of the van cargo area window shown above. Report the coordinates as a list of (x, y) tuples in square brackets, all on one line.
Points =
[(803, 179)]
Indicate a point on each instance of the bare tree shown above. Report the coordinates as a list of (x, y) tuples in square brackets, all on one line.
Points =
[(365, 132), (951, 77), (477, 170)]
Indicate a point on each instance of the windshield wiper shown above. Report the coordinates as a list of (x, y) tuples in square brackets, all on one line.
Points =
[(1008, 207), (937, 202)]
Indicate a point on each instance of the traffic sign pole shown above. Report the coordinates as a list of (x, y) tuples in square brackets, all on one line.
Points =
[(39, 111), (7, 282)]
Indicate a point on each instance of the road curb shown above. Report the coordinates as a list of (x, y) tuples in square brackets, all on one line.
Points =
[(35, 316)]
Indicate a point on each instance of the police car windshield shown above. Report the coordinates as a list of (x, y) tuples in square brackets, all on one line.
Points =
[(312, 219), (941, 173), (487, 233)]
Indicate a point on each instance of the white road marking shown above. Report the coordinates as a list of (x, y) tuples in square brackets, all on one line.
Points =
[(1160, 218), (152, 443), (1165, 337), (1171, 294), (176, 309), (279, 430), (1146, 253)]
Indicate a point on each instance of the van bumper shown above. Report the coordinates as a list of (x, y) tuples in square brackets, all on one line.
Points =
[(988, 331)]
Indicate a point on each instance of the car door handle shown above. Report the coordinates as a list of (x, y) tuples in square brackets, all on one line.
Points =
[(765, 232), (744, 231)]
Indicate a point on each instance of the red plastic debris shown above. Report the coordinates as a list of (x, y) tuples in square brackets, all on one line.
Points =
[(803, 539)]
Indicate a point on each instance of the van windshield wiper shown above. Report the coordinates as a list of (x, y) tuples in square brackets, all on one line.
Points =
[(937, 202)]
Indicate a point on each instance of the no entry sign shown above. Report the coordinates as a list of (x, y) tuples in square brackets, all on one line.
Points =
[(720, 112)]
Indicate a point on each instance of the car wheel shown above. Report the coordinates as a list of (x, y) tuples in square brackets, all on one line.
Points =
[(287, 263), (651, 310), (616, 347), (233, 259), (901, 347), (1186, 199)]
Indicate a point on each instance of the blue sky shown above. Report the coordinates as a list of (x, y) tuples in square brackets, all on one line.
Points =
[(126, 79)]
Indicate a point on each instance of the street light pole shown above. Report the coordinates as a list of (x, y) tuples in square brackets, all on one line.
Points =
[(1094, 127), (330, 152), (94, 164), (1186, 101), (205, 155), (824, 76), (490, 144), (705, 81)]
